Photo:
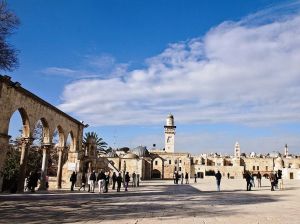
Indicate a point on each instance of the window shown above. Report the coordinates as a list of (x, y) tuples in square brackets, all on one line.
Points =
[(253, 167), (179, 168), (179, 161), (175, 168), (170, 161), (257, 168), (175, 161), (196, 162), (266, 168), (155, 162)]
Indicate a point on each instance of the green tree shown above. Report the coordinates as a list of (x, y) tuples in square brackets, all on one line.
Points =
[(92, 138), (8, 23)]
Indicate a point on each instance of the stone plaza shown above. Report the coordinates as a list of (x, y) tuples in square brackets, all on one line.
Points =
[(159, 201)]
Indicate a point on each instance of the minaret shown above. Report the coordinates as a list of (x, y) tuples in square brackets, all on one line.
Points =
[(237, 150), (170, 134), (286, 150)]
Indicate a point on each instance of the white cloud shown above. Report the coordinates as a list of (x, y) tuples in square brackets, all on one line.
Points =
[(237, 72)]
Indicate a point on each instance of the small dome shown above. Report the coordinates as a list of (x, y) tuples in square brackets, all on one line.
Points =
[(112, 154), (274, 154), (140, 151), (130, 156)]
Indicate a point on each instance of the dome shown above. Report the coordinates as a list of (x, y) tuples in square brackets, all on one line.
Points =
[(274, 154), (112, 154), (130, 156), (279, 162), (140, 151)]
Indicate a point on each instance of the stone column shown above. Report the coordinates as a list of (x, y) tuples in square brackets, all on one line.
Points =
[(25, 145), (59, 166), (4, 139), (46, 150)]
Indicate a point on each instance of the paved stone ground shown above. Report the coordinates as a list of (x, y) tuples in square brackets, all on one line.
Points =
[(159, 202)]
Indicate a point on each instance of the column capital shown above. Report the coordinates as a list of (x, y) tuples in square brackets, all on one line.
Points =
[(27, 140)]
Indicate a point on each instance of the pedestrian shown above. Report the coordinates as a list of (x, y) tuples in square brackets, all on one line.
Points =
[(89, 181), (73, 180), (186, 178), (228, 175), (272, 180), (114, 180), (92, 181), (280, 181), (276, 180), (127, 179), (33, 181), (218, 176), (101, 181), (248, 180), (195, 176), (138, 180), (258, 177), (106, 182), (176, 177), (182, 177), (83, 182), (47, 181), (119, 182), (133, 179)]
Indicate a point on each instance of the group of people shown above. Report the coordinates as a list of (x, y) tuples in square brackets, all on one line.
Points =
[(103, 180), (32, 180), (275, 179), (178, 176)]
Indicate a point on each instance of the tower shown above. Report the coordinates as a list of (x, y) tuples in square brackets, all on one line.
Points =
[(237, 150), (286, 150), (170, 134)]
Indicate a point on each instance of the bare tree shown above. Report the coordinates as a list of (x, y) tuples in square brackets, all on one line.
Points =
[(8, 22)]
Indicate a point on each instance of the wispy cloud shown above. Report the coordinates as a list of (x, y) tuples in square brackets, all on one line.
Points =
[(243, 72)]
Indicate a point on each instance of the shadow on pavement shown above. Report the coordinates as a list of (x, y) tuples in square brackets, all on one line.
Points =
[(150, 201)]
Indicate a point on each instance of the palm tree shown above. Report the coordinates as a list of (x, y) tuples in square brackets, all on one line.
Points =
[(92, 138)]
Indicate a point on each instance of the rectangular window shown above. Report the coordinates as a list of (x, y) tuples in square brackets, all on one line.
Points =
[(175, 168), (179, 161), (170, 161), (175, 161), (253, 167), (266, 168), (155, 162), (257, 168), (179, 168)]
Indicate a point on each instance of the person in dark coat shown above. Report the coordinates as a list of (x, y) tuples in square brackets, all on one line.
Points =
[(127, 179), (119, 182), (114, 180), (258, 177), (186, 178), (106, 182), (73, 180), (248, 181), (33, 181), (218, 176)]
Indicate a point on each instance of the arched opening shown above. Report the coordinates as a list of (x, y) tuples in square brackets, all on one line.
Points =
[(18, 129), (70, 144), (58, 143), (156, 174)]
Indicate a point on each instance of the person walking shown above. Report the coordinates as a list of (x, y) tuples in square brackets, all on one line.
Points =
[(101, 181), (176, 177), (258, 177), (272, 180), (195, 176), (182, 177), (73, 180), (218, 176), (119, 182), (127, 179), (114, 180), (228, 175), (248, 181), (92, 181), (83, 182), (186, 178), (106, 182), (133, 179)]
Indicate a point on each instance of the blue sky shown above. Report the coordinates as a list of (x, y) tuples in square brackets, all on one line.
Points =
[(227, 70)]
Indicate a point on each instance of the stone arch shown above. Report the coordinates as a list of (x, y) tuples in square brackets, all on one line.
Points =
[(26, 131), (72, 142), (61, 136), (156, 174)]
